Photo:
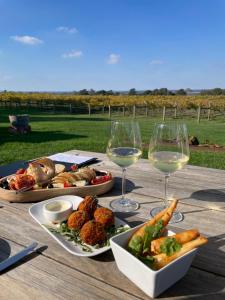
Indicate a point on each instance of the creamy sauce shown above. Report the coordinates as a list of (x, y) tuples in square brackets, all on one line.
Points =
[(57, 206)]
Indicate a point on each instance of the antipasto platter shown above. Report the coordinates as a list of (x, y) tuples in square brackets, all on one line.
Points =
[(44, 179)]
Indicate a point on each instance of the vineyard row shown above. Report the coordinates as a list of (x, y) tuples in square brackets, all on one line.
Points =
[(152, 101)]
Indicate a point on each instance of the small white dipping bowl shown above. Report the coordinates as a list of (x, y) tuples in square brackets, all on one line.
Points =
[(57, 211)]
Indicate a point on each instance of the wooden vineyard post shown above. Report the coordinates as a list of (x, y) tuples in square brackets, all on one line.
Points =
[(110, 111), (199, 114), (123, 110), (103, 109), (209, 112), (146, 110), (164, 113), (89, 109), (175, 111), (71, 109), (134, 111)]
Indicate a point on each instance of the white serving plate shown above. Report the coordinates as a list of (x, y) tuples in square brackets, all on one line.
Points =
[(36, 211), (153, 283)]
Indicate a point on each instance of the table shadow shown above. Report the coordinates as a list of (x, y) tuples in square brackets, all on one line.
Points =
[(5, 249), (104, 257), (209, 195), (130, 186)]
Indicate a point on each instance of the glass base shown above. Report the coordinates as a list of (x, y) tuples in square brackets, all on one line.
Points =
[(177, 216), (124, 205)]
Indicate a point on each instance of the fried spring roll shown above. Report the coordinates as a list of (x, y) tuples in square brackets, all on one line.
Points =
[(181, 238), (165, 215), (162, 259)]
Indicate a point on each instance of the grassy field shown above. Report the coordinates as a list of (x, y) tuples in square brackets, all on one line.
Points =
[(53, 133)]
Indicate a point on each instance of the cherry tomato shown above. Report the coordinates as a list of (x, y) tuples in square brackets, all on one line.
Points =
[(74, 167), (20, 171), (101, 179), (66, 185)]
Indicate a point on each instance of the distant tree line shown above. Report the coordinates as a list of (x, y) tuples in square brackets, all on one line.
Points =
[(133, 91), (213, 92)]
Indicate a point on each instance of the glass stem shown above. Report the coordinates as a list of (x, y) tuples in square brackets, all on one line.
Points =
[(165, 190), (123, 183)]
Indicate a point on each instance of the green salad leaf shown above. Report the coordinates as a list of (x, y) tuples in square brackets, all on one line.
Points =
[(147, 260), (136, 245), (74, 235), (170, 246), (151, 232)]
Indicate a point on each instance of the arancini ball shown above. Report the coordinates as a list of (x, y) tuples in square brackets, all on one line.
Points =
[(92, 233)]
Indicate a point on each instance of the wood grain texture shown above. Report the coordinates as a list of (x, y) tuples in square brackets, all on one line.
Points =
[(59, 275)]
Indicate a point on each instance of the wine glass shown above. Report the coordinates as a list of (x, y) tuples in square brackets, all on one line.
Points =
[(169, 152), (124, 149)]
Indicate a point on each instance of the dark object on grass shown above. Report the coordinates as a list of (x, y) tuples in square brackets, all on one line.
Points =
[(19, 124), (194, 141)]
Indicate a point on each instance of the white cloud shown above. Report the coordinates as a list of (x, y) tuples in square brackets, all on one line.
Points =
[(113, 59), (72, 54), (156, 62), (70, 30), (26, 39)]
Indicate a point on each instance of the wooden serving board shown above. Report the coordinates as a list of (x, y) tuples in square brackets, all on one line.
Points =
[(42, 194)]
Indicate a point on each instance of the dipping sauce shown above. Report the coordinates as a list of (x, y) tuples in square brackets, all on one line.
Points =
[(57, 206), (57, 211)]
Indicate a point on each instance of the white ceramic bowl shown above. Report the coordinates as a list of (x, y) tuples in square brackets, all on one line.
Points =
[(58, 210), (151, 282)]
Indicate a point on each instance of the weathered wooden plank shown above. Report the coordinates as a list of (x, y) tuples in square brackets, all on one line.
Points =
[(40, 277)]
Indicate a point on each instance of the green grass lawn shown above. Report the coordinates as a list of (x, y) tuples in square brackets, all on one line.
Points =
[(53, 133)]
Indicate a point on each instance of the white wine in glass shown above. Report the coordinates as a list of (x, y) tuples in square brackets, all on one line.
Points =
[(169, 152), (124, 149)]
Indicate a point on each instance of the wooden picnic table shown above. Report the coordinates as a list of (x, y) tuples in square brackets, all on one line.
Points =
[(53, 273)]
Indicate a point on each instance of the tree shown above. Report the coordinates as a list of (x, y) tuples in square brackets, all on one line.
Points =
[(132, 92), (217, 91), (181, 92), (110, 92), (91, 92), (101, 92), (83, 92), (163, 91), (147, 92)]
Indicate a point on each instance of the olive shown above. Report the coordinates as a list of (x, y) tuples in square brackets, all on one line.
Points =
[(4, 184), (50, 186)]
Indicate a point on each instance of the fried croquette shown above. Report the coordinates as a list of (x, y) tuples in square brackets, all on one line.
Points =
[(89, 204), (92, 233), (77, 219), (104, 216)]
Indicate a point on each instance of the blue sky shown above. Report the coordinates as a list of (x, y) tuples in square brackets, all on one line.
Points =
[(66, 45)]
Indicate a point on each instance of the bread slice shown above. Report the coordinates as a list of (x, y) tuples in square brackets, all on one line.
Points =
[(59, 168)]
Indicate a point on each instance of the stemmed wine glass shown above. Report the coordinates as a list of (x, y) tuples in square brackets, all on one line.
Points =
[(124, 149), (169, 152)]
